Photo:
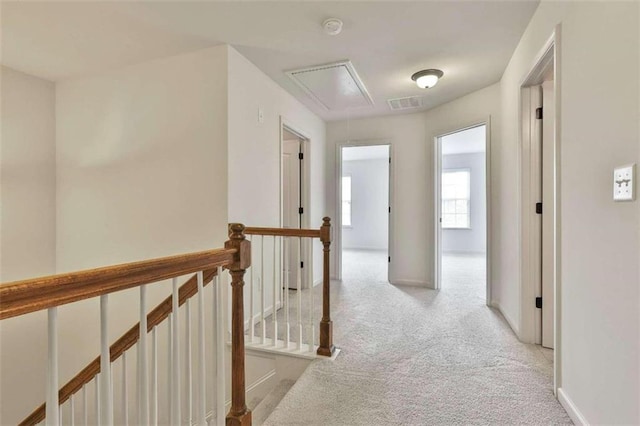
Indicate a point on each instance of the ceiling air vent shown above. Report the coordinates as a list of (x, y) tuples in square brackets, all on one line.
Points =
[(405, 103), (335, 86)]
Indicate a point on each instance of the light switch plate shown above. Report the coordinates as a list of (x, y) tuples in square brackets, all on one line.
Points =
[(624, 188)]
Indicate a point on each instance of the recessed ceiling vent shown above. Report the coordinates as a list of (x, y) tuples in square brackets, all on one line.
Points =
[(336, 86), (405, 103)]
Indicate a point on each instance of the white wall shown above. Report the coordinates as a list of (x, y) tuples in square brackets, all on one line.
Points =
[(27, 227), (600, 241), (412, 137), (254, 157), (369, 204), (141, 173), (474, 239)]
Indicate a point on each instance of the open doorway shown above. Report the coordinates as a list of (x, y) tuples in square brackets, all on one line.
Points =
[(462, 212), (294, 199), (365, 208), (539, 207)]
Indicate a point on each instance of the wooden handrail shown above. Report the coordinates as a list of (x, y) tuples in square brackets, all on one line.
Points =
[(125, 342), (326, 347), (284, 232), (22, 297)]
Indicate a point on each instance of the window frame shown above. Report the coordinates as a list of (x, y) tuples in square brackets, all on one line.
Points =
[(342, 201), (443, 199)]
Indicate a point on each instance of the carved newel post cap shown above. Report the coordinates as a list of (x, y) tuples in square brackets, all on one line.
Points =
[(236, 231), (326, 220)]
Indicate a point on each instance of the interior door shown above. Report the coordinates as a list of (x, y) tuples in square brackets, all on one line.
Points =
[(548, 245), (291, 203)]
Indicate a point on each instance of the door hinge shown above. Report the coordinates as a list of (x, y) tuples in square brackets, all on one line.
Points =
[(300, 210), (539, 113), (389, 209), (389, 259), (539, 302), (302, 264), (389, 160), (538, 208), (300, 156)]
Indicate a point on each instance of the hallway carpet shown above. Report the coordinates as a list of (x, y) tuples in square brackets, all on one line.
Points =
[(413, 356)]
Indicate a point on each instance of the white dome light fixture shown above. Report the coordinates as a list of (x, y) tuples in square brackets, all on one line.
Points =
[(332, 26), (426, 79)]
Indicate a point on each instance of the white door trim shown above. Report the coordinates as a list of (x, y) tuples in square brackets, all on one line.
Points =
[(437, 234), (550, 53), (306, 186), (338, 220)]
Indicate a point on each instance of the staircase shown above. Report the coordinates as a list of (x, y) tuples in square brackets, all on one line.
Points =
[(176, 355)]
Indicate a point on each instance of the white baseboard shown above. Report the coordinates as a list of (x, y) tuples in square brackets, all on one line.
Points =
[(510, 321), (411, 283), (576, 416), (463, 252)]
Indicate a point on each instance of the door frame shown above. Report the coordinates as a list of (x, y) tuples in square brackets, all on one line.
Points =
[(547, 57), (437, 190), (305, 221), (338, 220)]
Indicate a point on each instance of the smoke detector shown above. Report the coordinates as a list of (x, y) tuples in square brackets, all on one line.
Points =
[(332, 26)]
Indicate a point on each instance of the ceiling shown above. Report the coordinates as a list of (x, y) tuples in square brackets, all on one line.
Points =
[(374, 152), (465, 142), (387, 41)]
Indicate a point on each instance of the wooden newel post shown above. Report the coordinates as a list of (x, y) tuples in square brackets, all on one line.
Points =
[(326, 347), (238, 415)]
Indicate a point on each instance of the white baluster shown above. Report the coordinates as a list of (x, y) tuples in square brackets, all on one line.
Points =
[(310, 281), (201, 385), (220, 348), (175, 361), (52, 368), (125, 394), (251, 296), (85, 406), (73, 410), (287, 262), (263, 322), (97, 399), (154, 379), (274, 310), (188, 363), (60, 414), (106, 412), (169, 364), (143, 368), (299, 290)]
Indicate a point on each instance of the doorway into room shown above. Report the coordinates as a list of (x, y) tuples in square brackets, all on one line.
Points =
[(294, 200), (462, 213), (365, 209)]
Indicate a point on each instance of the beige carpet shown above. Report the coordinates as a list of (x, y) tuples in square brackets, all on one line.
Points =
[(413, 356)]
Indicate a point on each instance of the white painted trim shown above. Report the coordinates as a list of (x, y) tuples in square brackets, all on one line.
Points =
[(264, 380), (306, 185), (570, 407), (437, 240), (513, 324), (338, 220), (550, 51), (412, 283)]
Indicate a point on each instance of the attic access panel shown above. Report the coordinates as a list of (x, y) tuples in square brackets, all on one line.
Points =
[(335, 86)]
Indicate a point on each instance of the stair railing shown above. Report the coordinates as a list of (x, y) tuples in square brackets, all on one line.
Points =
[(48, 293), (282, 253)]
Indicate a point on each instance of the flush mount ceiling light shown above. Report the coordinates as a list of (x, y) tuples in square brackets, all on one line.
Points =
[(332, 26), (426, 79)]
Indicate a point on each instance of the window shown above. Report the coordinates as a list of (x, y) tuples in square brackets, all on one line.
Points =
[(455, 199), (346, 200)]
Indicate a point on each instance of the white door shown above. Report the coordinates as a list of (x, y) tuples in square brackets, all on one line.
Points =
[(548, 132), (291, 204)]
